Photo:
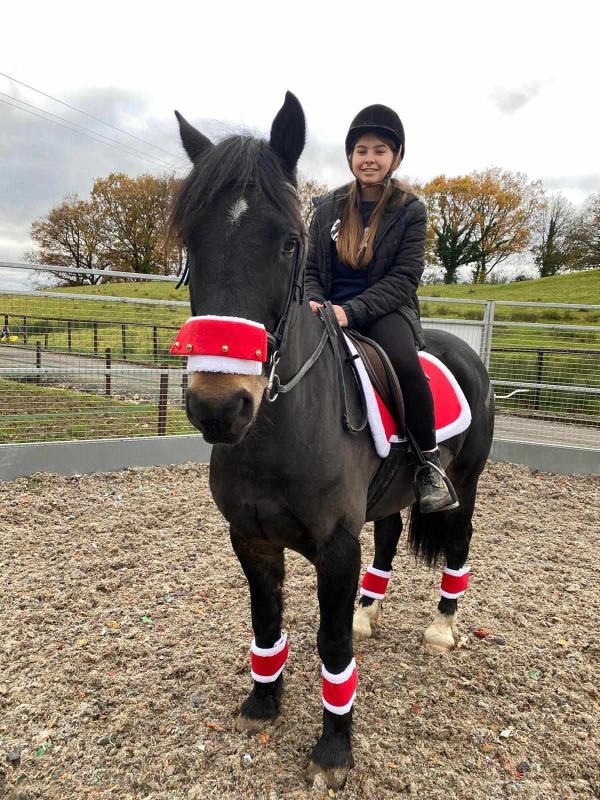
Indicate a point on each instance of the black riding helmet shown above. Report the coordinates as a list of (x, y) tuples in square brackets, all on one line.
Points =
[(376, 119)]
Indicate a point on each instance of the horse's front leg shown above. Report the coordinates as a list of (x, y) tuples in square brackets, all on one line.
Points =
[(338, 567), (264, 569)]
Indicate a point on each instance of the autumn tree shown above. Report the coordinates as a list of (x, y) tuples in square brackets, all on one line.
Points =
[(453, 235), (134, 214), (553, 249), (504, 207), (584, 237), (70, 235)]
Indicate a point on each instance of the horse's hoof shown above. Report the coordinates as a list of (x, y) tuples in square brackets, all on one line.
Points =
[(323, 779), (442, 635), (365, 617), (249, 725)]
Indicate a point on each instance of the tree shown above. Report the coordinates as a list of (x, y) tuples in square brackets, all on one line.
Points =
[(504, 207), (307, 189), (134, 213), (553, 250), (584, 238), (452, 237), (70, 235)]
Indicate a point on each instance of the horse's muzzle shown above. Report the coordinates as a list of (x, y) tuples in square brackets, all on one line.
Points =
[(221, 420)]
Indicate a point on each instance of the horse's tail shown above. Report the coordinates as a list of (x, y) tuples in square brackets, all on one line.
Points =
[(426, 535)]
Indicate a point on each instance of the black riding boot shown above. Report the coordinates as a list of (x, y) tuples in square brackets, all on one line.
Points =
[(431, 489)]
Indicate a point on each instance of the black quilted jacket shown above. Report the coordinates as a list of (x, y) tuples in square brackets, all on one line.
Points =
[(394, 272)]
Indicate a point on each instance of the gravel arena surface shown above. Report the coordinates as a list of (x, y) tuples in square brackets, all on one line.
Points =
[(125, 633)]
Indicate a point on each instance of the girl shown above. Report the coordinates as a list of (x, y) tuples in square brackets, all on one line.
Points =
[(367, 241)]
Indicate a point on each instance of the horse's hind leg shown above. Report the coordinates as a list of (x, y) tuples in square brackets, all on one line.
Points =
[(456, 529), (387, 535), (338, 568), (264, 569)]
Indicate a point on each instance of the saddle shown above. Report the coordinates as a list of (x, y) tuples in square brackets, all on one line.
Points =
[(381, 374)]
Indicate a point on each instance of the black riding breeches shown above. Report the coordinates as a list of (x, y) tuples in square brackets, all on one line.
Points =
[(394, 334)]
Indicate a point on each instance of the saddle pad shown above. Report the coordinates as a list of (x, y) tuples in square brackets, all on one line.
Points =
[(452, 412)]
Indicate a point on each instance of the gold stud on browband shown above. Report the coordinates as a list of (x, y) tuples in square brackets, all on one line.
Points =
[(188, 347), (258, 354), (177, 345), (225, 348)]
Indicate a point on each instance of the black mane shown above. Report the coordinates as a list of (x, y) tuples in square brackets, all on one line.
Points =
[(241, 161)]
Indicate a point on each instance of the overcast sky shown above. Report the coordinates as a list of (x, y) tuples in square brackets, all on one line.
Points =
[(511, 84)]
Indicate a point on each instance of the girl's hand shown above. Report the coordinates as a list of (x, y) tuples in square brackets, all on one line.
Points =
[(341, 316), (314, 306)]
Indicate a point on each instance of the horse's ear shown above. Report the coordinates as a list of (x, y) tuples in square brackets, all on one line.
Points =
[(288, 132), (194, 142)]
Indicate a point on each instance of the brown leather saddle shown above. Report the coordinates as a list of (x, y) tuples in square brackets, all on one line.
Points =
[(382, 375)]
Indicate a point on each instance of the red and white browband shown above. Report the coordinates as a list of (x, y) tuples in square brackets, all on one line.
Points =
[(222, 344), (339, 690), (267, 663), (374, 583), (454, 582)]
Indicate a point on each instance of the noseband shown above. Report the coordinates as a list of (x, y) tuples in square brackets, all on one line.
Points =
[(241, 346)]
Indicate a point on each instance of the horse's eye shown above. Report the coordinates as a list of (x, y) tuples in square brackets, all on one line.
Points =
[(290, 246)]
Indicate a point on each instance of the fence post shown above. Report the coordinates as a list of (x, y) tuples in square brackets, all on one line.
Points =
[(38, 360), (46, 336), (155, 342), (95, 330), (488, 330), (107, 380), (69, 335), (538, 379), (24, 330), (184, 386), (163, 394), (124, 340)]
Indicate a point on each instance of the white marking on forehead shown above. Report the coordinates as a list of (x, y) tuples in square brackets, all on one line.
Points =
[(237, 209)]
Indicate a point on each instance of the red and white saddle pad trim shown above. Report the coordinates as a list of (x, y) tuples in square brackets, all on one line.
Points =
[(339, 690), (374, 583), (454, 582), (452, 411), (267, 663), (222, 344), (382, 424)]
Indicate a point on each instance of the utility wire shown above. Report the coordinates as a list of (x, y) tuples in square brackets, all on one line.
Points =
[(73, 126), (87, 114)]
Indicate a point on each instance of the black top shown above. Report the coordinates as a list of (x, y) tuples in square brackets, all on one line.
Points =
[(347, 281)]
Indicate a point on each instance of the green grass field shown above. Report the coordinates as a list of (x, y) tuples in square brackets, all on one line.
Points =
[(31, 413)]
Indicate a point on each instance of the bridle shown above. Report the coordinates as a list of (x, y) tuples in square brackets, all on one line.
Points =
[(277, 340)]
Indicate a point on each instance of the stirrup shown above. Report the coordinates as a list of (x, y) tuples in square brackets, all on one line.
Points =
[(454, 503)]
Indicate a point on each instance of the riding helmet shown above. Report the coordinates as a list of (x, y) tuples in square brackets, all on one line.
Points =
[(376, 119)]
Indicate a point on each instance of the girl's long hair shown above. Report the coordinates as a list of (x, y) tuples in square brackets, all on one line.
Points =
[(354, 242)]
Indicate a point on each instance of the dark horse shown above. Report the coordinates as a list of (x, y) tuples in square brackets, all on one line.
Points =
[(286, 473)]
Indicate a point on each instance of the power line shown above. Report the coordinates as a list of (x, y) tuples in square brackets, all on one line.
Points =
[(87, 114), (87, 132)]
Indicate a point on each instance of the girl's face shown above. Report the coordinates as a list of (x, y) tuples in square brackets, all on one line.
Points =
[(371, 159)]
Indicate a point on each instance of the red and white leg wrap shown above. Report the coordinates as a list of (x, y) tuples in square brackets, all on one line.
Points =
[(374, 583), (339, 690), (267, 663), (454, 582)]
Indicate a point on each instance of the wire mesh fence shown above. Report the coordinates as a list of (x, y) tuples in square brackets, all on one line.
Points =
[(87, 366), (79, 365)]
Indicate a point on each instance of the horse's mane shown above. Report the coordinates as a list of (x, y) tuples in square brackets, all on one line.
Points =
[(237, 160)]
